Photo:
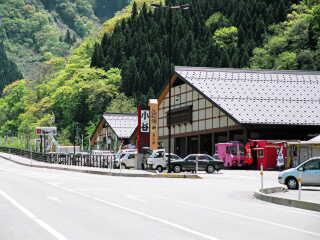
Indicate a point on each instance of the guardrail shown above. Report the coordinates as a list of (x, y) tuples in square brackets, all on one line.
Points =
[(85, 160)]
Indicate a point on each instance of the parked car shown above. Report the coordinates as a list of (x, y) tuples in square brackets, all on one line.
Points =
[(205, 163), (309, 171), (159, 158), (129, 160)]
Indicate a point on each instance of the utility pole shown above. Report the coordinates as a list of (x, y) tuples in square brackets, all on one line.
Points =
[(182, 7)]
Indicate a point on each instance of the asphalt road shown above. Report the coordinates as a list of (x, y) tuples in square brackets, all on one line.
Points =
[(49, 204)]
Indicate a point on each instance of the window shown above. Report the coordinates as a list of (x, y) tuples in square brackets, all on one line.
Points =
[(172, 156), (191, 158), (260, 153), (158, 155), (312, 165), (203, 157), (131, 156), (232, 150)]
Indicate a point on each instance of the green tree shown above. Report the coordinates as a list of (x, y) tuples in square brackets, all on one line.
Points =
[(122, 104), (226, 37), (8, 70)]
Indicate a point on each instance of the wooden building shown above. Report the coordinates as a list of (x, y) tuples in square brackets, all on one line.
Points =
[(115, 129), (210, 106)]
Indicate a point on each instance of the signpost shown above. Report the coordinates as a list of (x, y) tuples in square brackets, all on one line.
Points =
[(261, 173), (143, 134), (43, 132), (299, 181)]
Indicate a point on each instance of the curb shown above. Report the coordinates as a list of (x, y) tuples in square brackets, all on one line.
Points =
[(145, 175), (262, 194)]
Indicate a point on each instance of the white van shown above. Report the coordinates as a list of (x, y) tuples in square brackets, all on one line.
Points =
[(159, 159)]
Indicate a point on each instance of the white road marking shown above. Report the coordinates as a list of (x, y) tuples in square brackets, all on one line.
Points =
[(136, 212), (33, 217), (136, 198), (289, 209), (249, 218), (93, 189), (54, 199)]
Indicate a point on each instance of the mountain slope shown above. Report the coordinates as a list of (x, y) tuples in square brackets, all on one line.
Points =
[(35, 30), (293, 44), (8, 69), (211, 33)]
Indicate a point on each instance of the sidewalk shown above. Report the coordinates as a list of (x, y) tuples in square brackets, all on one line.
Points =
[(310, 197), (309, 194), (92, 170)]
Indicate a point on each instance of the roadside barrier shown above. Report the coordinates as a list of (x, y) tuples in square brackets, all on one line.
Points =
[(80, 159)]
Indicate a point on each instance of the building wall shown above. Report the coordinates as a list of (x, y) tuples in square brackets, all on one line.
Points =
[(205, 116), (106, 138), (209, 124)]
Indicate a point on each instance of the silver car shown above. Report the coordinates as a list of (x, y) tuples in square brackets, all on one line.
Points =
[(308, 171)]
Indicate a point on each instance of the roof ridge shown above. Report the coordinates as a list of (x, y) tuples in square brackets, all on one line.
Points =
[(210, 69), (132, 114)]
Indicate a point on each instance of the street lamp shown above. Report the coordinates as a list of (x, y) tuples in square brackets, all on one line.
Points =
[(183, 7)]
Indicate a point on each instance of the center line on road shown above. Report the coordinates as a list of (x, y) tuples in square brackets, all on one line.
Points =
[(33, 217), (145, 215)]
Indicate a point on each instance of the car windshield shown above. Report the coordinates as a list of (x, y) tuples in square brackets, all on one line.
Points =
[(312, 165)]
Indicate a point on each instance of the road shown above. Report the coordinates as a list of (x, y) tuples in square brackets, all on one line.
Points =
[(50, 204)]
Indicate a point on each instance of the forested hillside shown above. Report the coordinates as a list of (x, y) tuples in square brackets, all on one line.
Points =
[(211, 33), (8, 69), (132, 60), (35, 30), (68, 90), (294, 43)]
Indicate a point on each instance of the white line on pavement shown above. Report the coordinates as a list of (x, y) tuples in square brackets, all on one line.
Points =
[(288, 209), (54, 199), (136, 198), (136, 212), (33, 217), (248, 217)]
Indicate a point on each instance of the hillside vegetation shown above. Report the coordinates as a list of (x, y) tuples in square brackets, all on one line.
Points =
[(294, 43), (35, 30), (211, 33), (130, 58), (8, 69)]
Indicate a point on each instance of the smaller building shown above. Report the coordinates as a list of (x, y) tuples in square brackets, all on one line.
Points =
[(115, 130), (300, 151)]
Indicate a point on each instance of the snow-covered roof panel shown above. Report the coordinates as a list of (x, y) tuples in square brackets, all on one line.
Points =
[(260, 96), (123, 124)]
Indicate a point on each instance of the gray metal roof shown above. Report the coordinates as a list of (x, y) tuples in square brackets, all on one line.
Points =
[(260, 96), (123, 124)]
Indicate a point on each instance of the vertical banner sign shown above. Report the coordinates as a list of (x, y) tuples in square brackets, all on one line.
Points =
[(139, 129), (144, 128), (153, 105)]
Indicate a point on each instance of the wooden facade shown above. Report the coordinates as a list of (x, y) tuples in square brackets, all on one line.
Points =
[(114, 130), (198, 123), (199, 132)]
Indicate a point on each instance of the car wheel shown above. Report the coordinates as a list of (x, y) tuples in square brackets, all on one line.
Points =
[(159, 168), (292, 183), (210, 169), (123, 166), (177, 169)]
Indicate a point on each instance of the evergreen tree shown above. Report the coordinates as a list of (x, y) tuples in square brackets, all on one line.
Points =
[(8, 70), (147, 44)]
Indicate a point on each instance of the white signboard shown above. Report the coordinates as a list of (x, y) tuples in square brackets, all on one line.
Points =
[(145, 125), (46, 130)]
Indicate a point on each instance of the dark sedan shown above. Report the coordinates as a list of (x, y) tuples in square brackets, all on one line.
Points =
[(200, 162)]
